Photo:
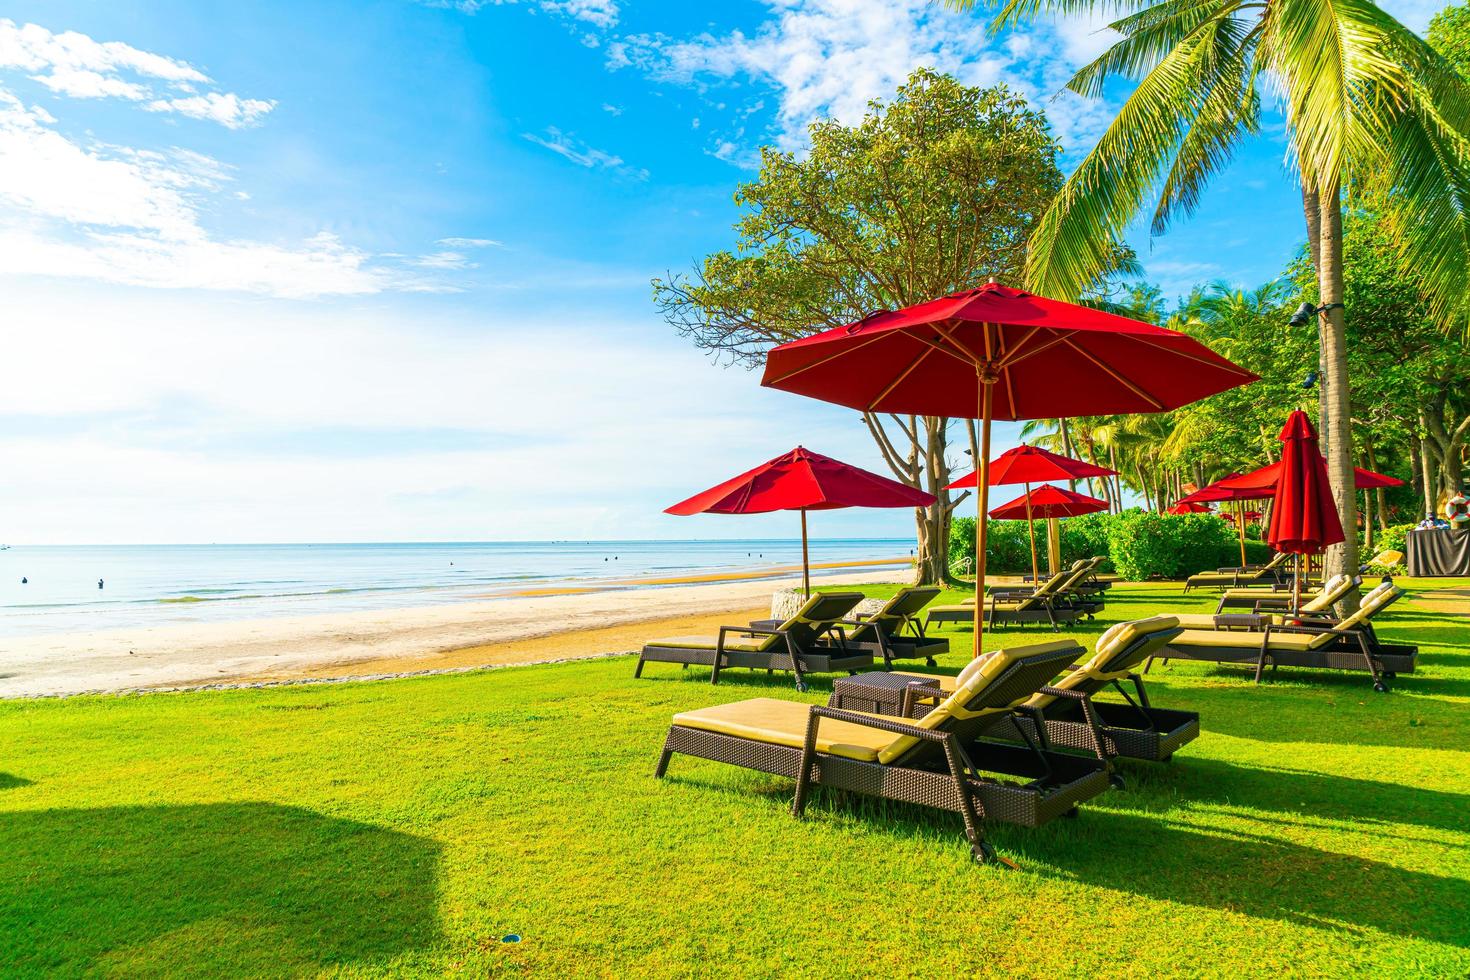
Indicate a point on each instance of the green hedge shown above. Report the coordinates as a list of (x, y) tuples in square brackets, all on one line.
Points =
[(1393, 538), (1139, 544)]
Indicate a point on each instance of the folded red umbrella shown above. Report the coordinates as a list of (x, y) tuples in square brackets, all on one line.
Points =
[(1304, 517), (1047, 502), (1000, 353), (802, 480)]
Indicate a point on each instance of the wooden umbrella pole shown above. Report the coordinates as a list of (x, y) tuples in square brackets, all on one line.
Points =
[(982, 498), (806, 567), (1031, 529), (1240, 528)]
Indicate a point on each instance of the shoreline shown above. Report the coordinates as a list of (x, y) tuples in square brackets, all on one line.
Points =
[(473, 633)]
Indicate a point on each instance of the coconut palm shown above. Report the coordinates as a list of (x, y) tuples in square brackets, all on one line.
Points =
[(1360, 93)]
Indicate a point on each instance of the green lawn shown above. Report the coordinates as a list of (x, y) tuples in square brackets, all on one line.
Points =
[(405, 827)]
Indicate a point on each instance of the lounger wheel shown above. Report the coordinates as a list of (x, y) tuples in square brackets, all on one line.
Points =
[(1380, 687), (1117, 781), (1389, 675), (801, 687), (983, 852), (929, 662), (1072, 814)]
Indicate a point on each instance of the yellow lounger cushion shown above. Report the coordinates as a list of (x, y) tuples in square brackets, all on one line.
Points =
[(778, 722), (732, 642), (1249, 639)]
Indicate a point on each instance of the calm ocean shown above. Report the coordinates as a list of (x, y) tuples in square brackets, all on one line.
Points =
[(151, 585)]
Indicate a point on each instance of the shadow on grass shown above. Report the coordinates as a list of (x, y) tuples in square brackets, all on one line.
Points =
[(239, 888), (1282, 790), (1153, 855), (1263, 877), (11, 781)]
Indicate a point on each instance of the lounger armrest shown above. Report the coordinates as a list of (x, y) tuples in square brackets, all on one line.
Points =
[(748, 630), (884, 723), (1275, 604), (1311, 630)]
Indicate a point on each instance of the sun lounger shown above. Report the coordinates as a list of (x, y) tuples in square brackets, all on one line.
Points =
[(939, 760), (1314, 601), (1350, 644), (1073, 587), (795, 645), (895, 632), (1043, 605), (1090, 584), (1075, 719), (1235, 577)]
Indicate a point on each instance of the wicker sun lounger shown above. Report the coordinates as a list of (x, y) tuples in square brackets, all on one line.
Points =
[(1074, 719), (1235, 577), (1073, 587), (939, 760), (895, 632), (1091, 584), (1315, 602), (1350, 644), (1042, 605), (795, 645), (1272, 597)]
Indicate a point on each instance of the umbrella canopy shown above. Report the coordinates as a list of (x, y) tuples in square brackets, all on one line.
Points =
[(1047, 502), (1190, 507), (1262, 482), (1304, 517), (1032, 464), (801, 480), (1000, 353), (1028, 465)]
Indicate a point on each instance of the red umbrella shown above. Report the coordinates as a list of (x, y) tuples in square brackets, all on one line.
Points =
[(1304, 517), (801, 480), (1264, 480), (1190, 507), (1048, 502), (1230, 489), (1000, 353), (1028, 465)]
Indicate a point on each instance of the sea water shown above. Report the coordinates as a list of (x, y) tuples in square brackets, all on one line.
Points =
[(85, 587)]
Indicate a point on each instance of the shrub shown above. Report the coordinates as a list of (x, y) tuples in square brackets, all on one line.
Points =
[(1007, 549), (1138, 544), (1394, 538)]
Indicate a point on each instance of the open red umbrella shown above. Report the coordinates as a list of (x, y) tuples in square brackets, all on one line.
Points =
[(1264, 479), (802, 480), (1000, 353), (1230, 490), (1304, 517), (1028, 465), (1048, 502), (1190, 507)]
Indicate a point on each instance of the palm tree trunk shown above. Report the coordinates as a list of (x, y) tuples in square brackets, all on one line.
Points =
[(1342, 559), (1380, 497)]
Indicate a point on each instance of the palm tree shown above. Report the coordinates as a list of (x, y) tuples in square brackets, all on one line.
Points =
[(1361, 95)]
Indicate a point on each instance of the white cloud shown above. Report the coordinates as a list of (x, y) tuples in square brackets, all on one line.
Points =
[(176, 418), (599, 13), (567, 145), (830, 58), (229, 110), (444, 260), (124, 215), (470, 243), (612, 110), (75, 65)]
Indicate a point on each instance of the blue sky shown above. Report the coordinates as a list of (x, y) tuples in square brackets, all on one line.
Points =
[(379, 271)]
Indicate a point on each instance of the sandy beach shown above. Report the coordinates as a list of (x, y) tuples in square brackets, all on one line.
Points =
[(561, 624)]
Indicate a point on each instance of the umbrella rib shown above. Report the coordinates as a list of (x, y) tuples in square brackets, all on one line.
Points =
[(1226, 366), (970, 359), (823, 360), (1158, 405), (899, 380)]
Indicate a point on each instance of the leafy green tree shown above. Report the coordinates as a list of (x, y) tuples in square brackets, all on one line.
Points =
[(1449, 33), (934, 191), (1359, 92)]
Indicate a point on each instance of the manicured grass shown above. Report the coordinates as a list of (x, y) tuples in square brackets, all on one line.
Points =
[(405, 827)]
